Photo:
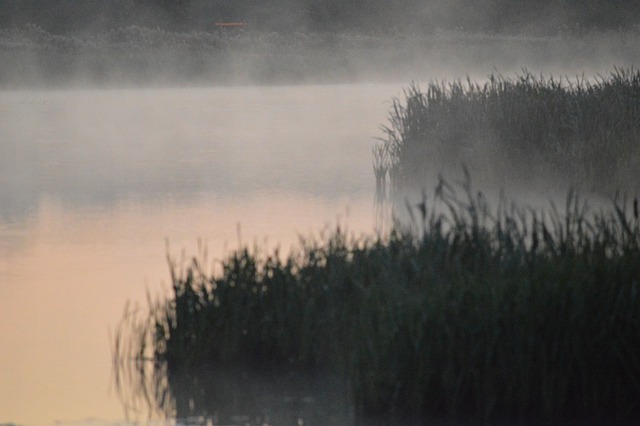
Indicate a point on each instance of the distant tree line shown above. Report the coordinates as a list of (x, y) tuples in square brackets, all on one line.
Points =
[(371, 16)]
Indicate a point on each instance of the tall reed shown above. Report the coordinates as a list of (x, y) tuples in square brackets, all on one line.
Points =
[(481, 314), (586, 132)]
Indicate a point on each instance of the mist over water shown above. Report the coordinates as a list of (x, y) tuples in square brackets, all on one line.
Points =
[(138, 128), (154, 57), (94, 181)]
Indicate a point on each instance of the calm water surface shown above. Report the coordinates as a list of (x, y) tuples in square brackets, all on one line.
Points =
[(93, 183)]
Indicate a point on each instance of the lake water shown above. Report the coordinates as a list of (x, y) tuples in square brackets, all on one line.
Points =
[(94, 182)]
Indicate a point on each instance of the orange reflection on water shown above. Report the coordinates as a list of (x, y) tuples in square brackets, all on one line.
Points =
[(67, 279)]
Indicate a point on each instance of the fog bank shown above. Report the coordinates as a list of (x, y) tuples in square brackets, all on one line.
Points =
[(142, 56)]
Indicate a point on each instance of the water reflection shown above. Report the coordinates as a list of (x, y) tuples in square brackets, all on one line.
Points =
[(99, 147), (92, 182), (217, 395)]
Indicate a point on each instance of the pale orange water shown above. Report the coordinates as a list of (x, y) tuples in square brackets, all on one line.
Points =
[(93, 183)]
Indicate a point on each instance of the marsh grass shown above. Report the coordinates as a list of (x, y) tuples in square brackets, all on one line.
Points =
[(585, 132), (474, 314)]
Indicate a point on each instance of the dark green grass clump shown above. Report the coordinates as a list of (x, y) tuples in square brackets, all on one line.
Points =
[(478, 315), (581, 131)]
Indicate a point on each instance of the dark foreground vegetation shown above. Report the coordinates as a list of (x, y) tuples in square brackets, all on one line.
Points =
[(574, 131), (474, 314)]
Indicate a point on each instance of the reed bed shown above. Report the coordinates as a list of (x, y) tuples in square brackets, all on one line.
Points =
[(582, 131), (471, 314)]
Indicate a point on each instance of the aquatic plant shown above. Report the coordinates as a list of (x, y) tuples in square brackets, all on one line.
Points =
[(471, 313), (585, 132)]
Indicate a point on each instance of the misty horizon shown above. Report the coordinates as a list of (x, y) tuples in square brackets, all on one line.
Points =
[(356, 16), (129, 124)]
